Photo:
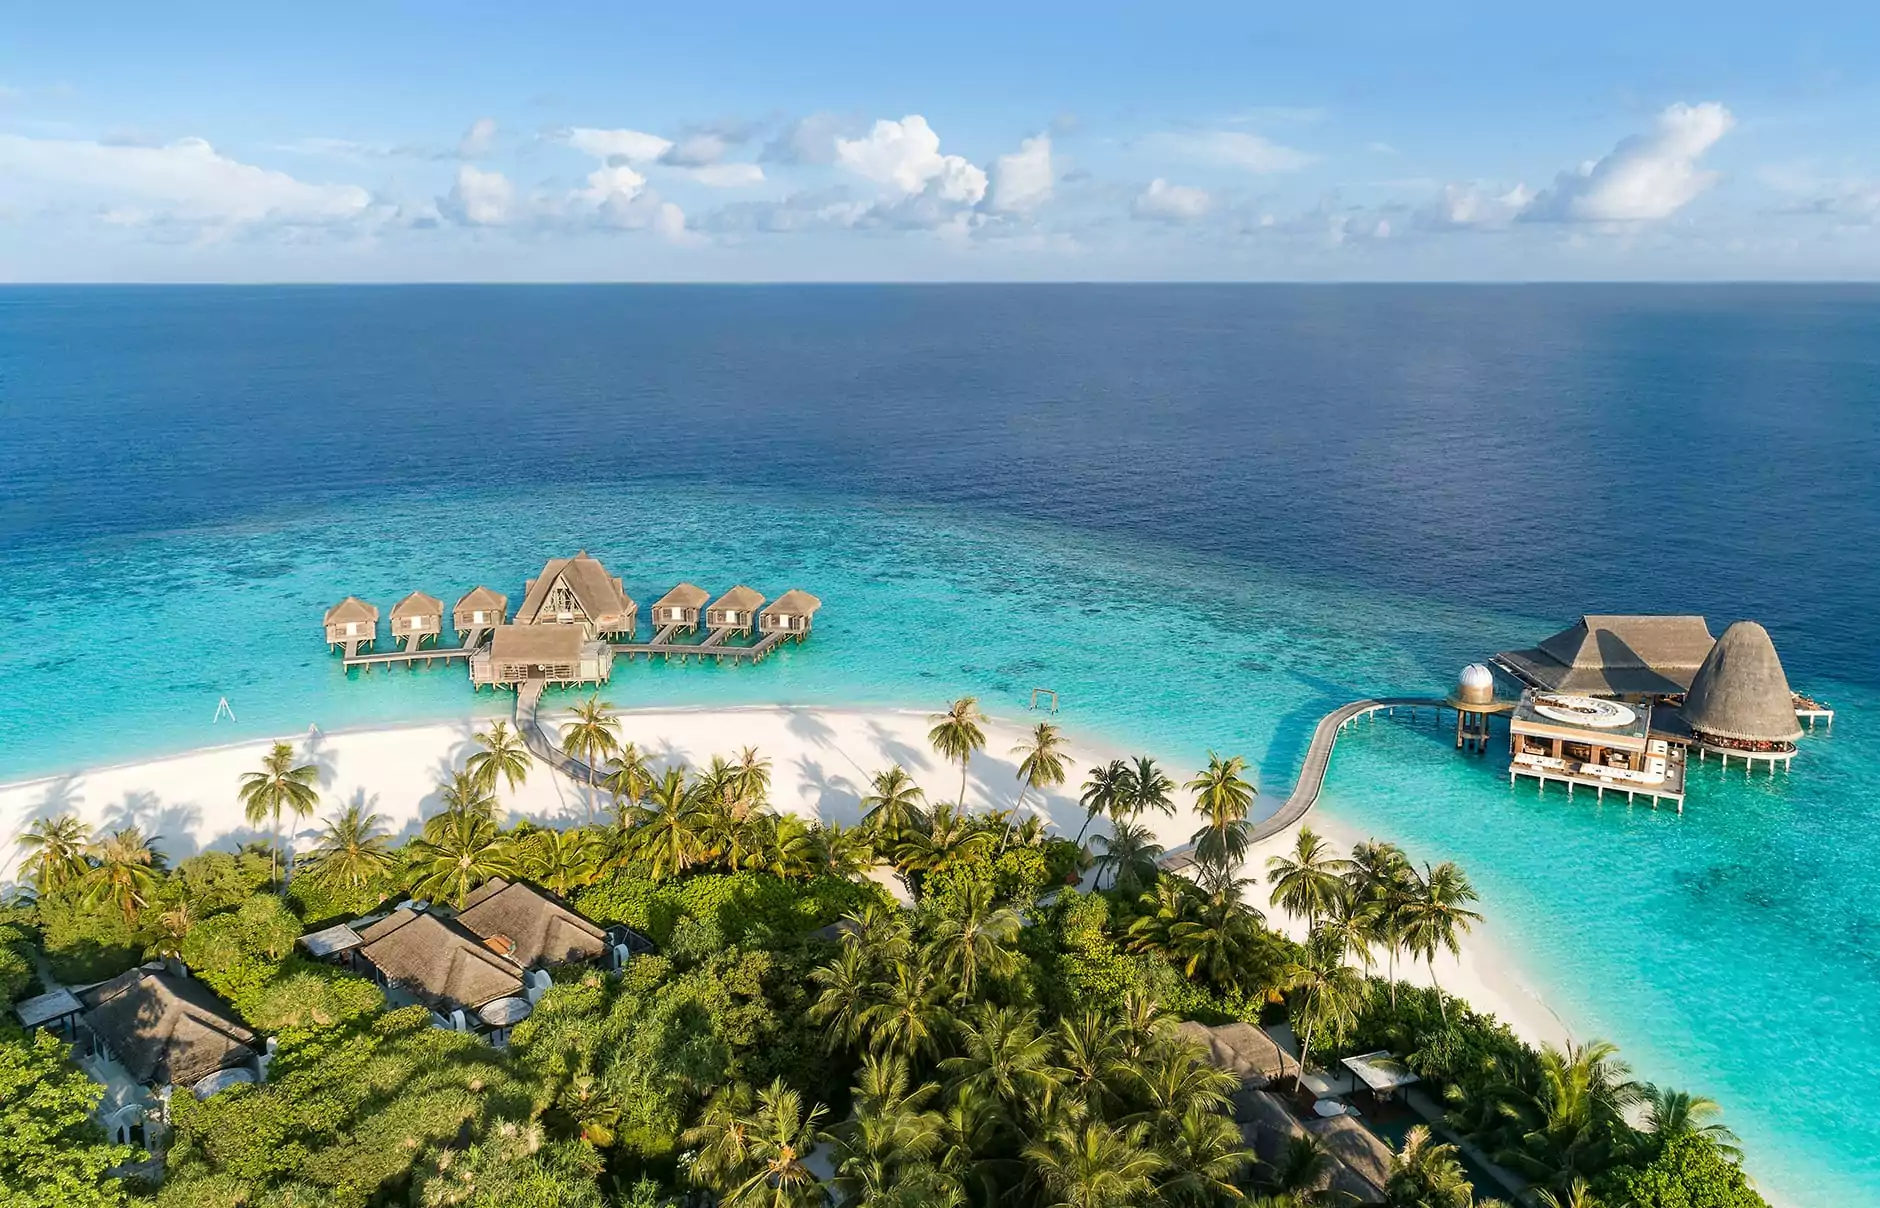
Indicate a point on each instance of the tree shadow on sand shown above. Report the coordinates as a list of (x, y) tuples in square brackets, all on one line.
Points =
[(171, 827)]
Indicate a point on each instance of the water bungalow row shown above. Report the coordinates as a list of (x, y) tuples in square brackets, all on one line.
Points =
[(574, 619)]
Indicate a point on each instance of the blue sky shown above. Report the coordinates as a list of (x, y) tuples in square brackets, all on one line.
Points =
[(837, 141)]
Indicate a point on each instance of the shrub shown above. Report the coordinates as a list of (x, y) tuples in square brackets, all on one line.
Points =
[(18, 978), (1690, 1172), (85, 944), (744, 905)]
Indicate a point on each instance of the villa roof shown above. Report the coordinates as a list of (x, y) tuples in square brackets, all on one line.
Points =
[(686, 595), (543, 930), (165, 1029), (417, 604), (44, 1008), (1741, 691), (352, 608), (442, 965), (484, 599), (741, 598), (1617, 656), (328, 941), (794, 602), (599, 594), (1241, 1049), (1361, 1161), (537, 643)]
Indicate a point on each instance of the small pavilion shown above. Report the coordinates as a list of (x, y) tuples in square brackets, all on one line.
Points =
[(678, 610), (416, 619), (479, 611), (578, 591), (791, 614), (1740, 706), (735, 611), (555, 654), (351, 623)]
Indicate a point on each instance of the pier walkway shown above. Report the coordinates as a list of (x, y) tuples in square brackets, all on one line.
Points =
[(1318, 759), (544, 748), (711, 648)]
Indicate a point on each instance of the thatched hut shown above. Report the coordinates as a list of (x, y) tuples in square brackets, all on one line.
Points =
[(417, 618), (437, 963), (1633, 657), (1242, 1050), (679, 608), (351, 623), (555, 654), (531, 927), (577, 591), (790, 614), (735, 611), (1740, 703), (479, 611), (166, 1029)]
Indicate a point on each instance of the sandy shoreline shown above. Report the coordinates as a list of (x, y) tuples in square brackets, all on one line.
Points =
[(822, 759)]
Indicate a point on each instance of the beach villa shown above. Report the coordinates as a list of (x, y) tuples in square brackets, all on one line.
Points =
[(791, 614), (735, 611), (678, 610)]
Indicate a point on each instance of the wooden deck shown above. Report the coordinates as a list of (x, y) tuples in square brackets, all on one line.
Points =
[(712, 647)]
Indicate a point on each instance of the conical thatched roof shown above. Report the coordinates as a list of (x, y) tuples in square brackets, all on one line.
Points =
[(352, 608), (417, 604), (741, 598), (686, 595), (794, 602), (482, 599), (1741, 692)]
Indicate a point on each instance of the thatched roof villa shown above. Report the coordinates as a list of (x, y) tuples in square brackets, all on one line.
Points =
[(416, 618), (351, 623), (438, 963), (530, 926), (554, 654), (1243, 1050), (577, 591), (791, 614), (680, 608), (478, 611), (1740, 703), (166, 1029), (735, 611), (1623, 656)]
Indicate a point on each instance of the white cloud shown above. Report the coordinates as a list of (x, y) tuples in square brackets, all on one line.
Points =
[(1646, 177), (906, 155), (186, 181), (1235, 149), (734, 175), (612, 186), (1023, 180), (478, 140), (809, 140), (633, 146), (1164, 202), (696, 150), (481, 198), (1467, 205)]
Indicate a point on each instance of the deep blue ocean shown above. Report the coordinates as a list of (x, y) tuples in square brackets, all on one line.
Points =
[(1203, 515)]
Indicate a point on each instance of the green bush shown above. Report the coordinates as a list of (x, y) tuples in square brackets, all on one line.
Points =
[(18, 978), (1468, 1049), (52, 1154), (744, 905), (1689, 1172), (1087, 968), (85, 944)]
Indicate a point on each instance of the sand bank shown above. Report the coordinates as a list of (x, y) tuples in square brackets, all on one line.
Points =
[(822, 760)]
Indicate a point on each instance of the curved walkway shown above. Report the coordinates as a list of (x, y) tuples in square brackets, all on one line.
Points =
[(528, 700), (1305, 792)]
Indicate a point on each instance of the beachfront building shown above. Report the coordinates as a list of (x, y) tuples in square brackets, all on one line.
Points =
[(477, 612), (351, 623), (1594, 742), (419, 957), (417, 619), (791, 615), (735, 611), (554, 654), (1632, 658), (530, 926), (578, 591), (678, 610), (1740, 704)]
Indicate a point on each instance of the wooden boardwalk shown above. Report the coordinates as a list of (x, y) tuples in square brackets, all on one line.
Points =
[(1305, 793), (711, 648), (436, 654)]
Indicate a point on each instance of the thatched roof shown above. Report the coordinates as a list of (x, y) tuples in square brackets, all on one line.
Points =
[(543, 930), (1617, 656), (352, 608), (1241, 1049), (165, 1029), (482, 599), (600, 595), (1741, 691), (1361, 1162), (417, 604), (686, 595), (1267, 1125), (537, 644), (440, 964), (741, 598), (795, 603)]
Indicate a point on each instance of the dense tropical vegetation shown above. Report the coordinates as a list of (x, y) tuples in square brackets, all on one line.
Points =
[(919, 1009)]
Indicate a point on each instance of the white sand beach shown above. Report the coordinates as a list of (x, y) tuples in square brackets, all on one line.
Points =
[(822, 760)]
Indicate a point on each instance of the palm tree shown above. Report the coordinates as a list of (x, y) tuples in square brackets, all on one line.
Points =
[(1426, 1174), (779, 1135), (561, 860), (848, 989), (1091, 1164), (882, 1155), (127, 872), (1004, 1055), (1310, 882), (1041, 762), (1223, 796), (951, 836), (1578, 1194), (1092, 1062), (627, 782), (1174, 1079), (720, 1142), (893, 810), (1435, 918), (957, 733), (352, 848), (1351, 926), (671, 839), (592, 736), (1206, 1159), (502, 755), (791, 847), (1129, 855), (1106, 785), (279, 785), (1672, 1114), (1220, 940), (1381, 877), (456, 853), (465, 793), (973, 939), (842, 851), (1301, 1167), (1329, 992), (57, 847), (909, 1014), (1574, 1118), (750, 779), (1149, 789)]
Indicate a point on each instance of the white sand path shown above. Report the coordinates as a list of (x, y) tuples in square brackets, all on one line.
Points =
[(822, 760)]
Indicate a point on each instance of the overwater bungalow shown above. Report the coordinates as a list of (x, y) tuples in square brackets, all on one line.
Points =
[(417, 956), (416, 619), (1596, 743), (1740, 704), (678, 610), (531, 926), (351, 623), (791, 614), (477, 612), (578, 591), (1632, 658), (735, 611), (555, 654)]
